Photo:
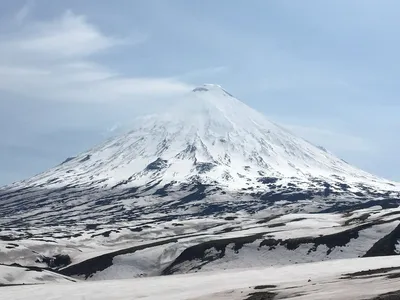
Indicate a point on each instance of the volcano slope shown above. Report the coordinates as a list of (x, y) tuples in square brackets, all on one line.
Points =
[(208, 155)]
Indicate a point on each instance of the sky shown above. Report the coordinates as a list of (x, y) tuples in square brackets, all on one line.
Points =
[(73, 72)]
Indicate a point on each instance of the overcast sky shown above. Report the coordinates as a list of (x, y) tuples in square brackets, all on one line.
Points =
[(71, 71)]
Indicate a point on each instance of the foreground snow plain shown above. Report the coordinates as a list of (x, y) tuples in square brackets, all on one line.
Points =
[(335, 279), (131, 250), (301, 259)]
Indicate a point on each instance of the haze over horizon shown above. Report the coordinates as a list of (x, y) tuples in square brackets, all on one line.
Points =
[(72, 73)]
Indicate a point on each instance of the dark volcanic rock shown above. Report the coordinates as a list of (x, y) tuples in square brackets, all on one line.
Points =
[(266, 180), (364, 273), (200, 251), (57, 261), (99, 263), (86, 158), (156, 165), (386, 245), (263, 287), (204, 167), (91, 226), (388, 296), (68, 159), (261, 296), (136, 229)]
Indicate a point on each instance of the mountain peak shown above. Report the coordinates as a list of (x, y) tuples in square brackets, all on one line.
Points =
[(210, 87), (207, 87)]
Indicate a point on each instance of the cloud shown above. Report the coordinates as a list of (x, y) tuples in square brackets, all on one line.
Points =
[(337, 142), (205, 72), (23, 13), (56, 60), (301, 75), (69, 35)]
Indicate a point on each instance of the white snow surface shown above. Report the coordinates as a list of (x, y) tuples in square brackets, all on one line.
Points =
[(18, 275), (317, 281), (149, 249)]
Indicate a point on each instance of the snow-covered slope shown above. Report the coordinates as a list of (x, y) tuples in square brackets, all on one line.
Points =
[(152, 248), (17, 276), (208, 154)]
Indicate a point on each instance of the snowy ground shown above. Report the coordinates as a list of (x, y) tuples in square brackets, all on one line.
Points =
[(142, 249), (323, 280), (292, 256), (11, 276)]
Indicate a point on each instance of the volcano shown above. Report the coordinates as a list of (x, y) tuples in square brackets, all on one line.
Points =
[(210, 154)]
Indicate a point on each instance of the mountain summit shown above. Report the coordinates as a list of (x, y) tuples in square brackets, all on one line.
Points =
[(210, 153)]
